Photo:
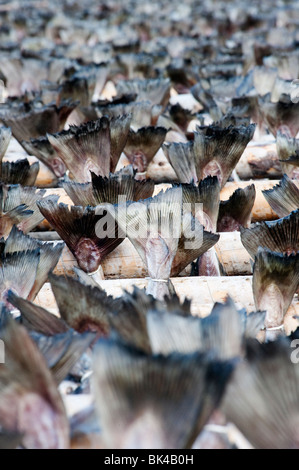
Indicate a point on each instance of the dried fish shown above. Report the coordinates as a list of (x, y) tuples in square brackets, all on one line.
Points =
[(30, 402), (152, 400), (284, 197), (78, 227), (236, 211), (275, 281)]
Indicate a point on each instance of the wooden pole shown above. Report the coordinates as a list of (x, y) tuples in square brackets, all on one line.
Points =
[(232, 255), (124, 262)]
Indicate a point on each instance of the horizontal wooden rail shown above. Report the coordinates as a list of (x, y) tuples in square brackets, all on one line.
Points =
[(124, 262)]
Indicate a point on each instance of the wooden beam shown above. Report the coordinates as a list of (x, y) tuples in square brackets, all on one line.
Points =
[(124, 262), (234, 258)]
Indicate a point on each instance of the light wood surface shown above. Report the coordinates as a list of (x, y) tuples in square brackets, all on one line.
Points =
[(124, 262)]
